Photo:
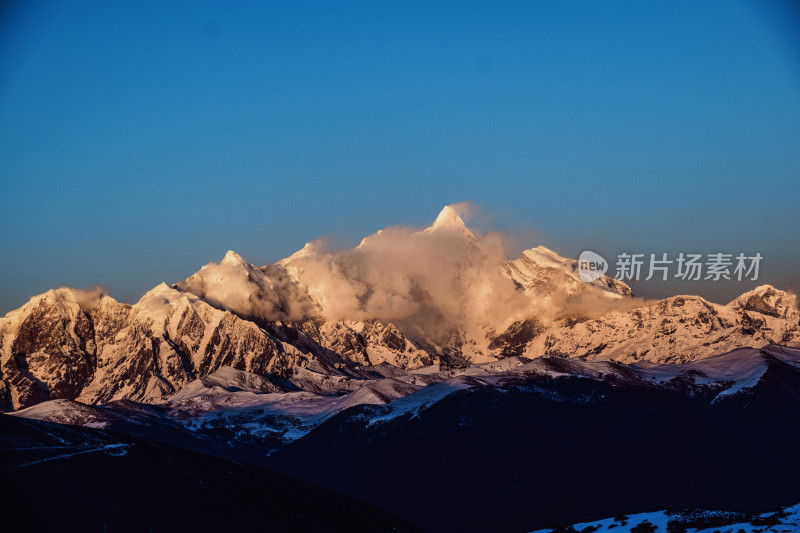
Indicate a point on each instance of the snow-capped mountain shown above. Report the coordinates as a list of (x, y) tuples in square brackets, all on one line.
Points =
[(676, 329), (408, 299), (543, 268), (58, 347)]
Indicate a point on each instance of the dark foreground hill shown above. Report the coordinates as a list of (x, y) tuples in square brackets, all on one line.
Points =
[(524, 455), (65, 478)]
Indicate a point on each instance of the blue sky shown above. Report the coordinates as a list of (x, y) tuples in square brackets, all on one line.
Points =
[(140, 140)]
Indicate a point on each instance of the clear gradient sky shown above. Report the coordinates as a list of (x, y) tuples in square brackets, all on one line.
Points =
[(140, 140)]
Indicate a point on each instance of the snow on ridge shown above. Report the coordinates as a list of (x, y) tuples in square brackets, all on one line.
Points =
[(254, 405), (547, 257), (784, 520), (743, 366), (65, 412), (426, 397), (156, 303), (787, 354)]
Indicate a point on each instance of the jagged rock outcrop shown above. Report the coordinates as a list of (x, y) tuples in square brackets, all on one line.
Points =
[(55, 348)]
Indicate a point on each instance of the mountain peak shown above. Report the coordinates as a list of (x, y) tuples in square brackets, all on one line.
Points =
[(448, 218), (767, 300), (161, 290), (546, 257), (232, 258), (305, 251), (762, 291)]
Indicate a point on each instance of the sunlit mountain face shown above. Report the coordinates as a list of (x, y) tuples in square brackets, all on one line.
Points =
[(422, 379), (408, 298)]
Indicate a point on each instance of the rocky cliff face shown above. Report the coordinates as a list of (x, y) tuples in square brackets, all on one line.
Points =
[(55, 348)]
